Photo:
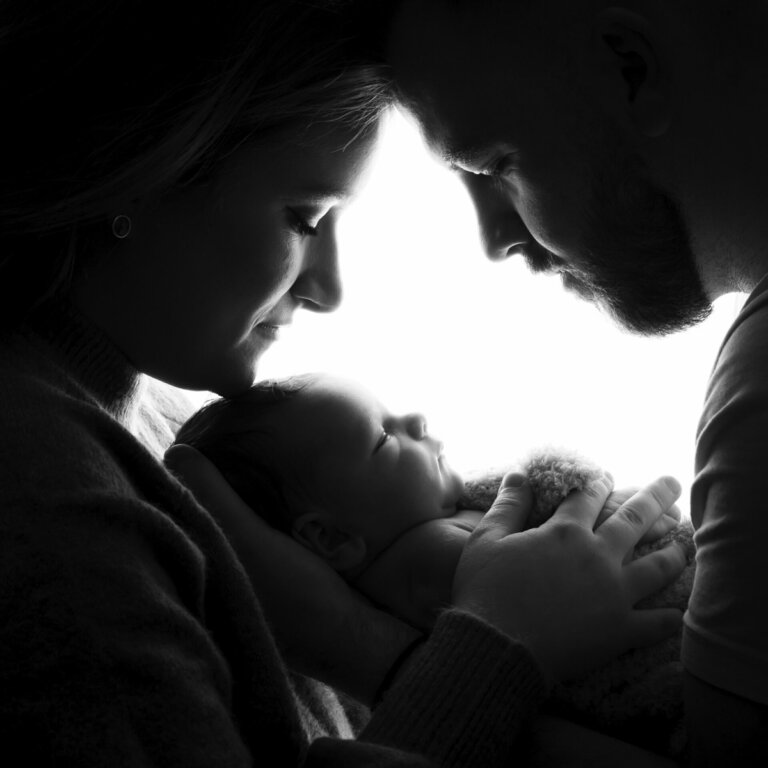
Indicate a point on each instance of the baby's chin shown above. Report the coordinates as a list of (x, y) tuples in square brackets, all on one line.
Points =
[(456, 491)]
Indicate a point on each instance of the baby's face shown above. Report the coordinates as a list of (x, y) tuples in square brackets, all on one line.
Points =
[(379, 472)]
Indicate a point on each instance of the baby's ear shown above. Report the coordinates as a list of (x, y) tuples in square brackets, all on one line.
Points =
[(341, 549)]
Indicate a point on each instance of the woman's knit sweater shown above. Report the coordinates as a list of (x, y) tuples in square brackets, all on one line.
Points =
[(129, 632)]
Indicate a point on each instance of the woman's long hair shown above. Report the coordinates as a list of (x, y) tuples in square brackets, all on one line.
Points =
[(107, 101)]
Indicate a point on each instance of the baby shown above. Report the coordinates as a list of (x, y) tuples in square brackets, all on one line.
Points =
[(368, 491), (372, 494)]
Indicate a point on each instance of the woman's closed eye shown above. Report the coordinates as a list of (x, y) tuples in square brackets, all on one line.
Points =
[(299, 224)]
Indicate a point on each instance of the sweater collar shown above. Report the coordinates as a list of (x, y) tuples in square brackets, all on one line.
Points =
[(91, 356)]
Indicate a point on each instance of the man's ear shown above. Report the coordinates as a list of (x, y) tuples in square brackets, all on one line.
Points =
[(341, 549), (626, 53)]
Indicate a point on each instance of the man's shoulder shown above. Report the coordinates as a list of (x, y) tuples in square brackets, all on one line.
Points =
[(742, 363)]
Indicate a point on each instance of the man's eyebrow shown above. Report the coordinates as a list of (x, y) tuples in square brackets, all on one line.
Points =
[(459, 156)]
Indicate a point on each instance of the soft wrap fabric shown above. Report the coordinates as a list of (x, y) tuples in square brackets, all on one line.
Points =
[(637, 697)]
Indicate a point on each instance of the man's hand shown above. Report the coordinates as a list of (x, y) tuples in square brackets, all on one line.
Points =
[(324, 629), (667, 521), (562, 589)]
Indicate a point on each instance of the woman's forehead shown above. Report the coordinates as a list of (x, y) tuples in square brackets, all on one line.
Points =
[(326, 170)]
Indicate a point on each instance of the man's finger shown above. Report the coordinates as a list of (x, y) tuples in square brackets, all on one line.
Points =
[(663, 525), (651, 626), (624, 529), (647, 575), (584, 506), (510, 510)]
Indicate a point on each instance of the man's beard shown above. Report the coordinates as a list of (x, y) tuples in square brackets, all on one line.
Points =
[(635, 257)]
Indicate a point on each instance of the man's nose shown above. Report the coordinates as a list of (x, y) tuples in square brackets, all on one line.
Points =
[(318, 287), (502, 231)]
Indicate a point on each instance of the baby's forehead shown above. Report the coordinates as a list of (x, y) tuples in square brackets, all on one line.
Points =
[(343, 394), (340, 407)]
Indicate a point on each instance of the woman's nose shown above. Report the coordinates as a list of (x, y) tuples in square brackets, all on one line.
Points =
[(501, 229), (318, 286), (416, 426)]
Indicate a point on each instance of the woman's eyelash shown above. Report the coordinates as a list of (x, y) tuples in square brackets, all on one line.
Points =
[(300, 225)]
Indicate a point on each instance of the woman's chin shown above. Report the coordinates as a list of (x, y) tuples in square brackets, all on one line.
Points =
[(234, 384), (227, 377)]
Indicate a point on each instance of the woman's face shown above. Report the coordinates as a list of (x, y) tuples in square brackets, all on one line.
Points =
[(209, 274)]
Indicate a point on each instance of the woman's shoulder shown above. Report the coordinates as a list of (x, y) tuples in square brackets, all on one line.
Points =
[(70, 469), (55, 437)]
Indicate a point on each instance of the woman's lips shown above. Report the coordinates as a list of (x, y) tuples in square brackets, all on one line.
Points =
[(269, 331), (271, 327)]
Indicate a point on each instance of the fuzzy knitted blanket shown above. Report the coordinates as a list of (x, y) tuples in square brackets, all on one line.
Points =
[(638, 697)]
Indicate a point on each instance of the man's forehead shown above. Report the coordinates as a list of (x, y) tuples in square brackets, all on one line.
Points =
[(449, 80), (458, 137)]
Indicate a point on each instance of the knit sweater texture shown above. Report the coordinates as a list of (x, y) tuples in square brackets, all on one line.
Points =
[(130, 634)]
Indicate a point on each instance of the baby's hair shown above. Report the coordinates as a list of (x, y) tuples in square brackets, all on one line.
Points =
[(241, 436)]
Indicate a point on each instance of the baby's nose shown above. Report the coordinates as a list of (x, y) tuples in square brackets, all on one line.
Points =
[(416, 426)]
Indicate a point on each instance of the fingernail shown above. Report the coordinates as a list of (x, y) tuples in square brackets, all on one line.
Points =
[(673, 484), (513, 480)]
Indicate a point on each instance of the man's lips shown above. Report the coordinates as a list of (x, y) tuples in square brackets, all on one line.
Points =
[(539, 259), (573, 283)]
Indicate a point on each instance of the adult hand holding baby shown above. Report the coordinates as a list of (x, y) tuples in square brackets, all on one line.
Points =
[(325, 629), (569, 596)]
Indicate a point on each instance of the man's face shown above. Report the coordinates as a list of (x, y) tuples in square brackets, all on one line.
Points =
[(551, 178)]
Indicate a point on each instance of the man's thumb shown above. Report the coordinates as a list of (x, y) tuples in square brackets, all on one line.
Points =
[(513, 504)]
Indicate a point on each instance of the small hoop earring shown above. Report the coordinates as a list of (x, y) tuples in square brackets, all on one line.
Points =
[(121, 226)]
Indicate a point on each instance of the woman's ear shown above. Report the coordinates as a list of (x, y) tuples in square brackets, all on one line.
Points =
[(633, 78), (341, 549)]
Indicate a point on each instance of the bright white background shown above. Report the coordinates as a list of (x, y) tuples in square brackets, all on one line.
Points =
[(500, 361)]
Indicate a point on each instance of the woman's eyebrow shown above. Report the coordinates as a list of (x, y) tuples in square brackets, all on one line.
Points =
[(321, 193)]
